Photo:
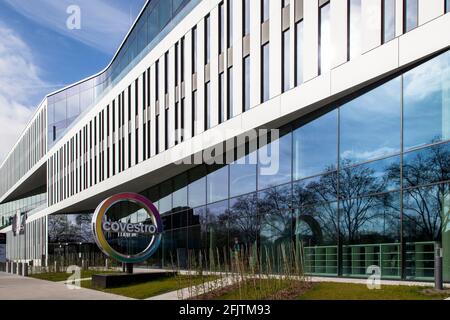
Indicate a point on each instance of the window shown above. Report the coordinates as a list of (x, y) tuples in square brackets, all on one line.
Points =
[(388, 20), (230, 104), (182, 53), (246, 17), (217, 183), (221, 28), (426, 103), (275, 160), (423, 215), (177, 132), (166, 73), (221, 97), (207, 105), (285, 3), (194, 50), (425, 166), (373, 177), (375, 116), (246, 91), (182, 120), (315, 146), (243, 175), (166, 128), (194, 112), (447, 6), (180, 194), (324, 38), (176, 65), (230, 24), (157, 134), (265, 73), (265, 7), (157, 80), (299, 53), (355, 28), (286, 61), (411, 14), (197, 187), (207, 39)]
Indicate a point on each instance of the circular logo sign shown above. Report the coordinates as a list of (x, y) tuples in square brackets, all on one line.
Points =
[(127, 227)]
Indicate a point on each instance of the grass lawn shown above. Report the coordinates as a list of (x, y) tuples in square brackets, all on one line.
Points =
[(274, 290), (62, 276), (152, 288), (348, 291)]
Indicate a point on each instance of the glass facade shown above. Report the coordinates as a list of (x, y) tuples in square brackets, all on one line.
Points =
[(157, 19), (345, 184), (25, 205)]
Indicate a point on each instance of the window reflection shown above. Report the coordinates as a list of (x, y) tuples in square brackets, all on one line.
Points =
[(217, 183), (375, 116), (373, 219), (426, 166), (426, 101), (217, 217), (371, 178), (315, 146), (317, 225), (275, 161), (243, 220), (388, 20), (315, 190), (243, 175), (197, 187), (411, 14)]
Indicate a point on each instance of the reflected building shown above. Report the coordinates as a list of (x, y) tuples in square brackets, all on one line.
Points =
[(357, 176)]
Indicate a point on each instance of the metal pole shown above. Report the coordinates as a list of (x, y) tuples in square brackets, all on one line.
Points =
[(438, 284), (129, 267)]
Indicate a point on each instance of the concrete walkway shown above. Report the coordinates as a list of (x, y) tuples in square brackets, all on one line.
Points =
[(13, 287)]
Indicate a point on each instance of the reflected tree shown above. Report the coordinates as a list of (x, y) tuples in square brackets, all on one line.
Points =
[(426, 209)]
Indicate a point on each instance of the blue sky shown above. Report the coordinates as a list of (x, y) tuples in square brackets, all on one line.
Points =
[(39, 54)]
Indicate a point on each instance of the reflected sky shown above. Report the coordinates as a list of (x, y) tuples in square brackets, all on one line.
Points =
[(375, 117), (426, 102)]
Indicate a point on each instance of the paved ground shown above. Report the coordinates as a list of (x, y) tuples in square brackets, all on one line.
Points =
[(13, 287)]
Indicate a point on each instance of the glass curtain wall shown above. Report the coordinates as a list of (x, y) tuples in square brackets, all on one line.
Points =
[(346, 182)]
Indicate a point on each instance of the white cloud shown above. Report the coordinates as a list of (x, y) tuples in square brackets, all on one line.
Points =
[(364, 155), (103, 23), (20, 86)]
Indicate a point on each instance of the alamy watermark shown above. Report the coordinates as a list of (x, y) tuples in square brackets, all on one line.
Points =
[(74, 281), (73, 22), (230, 147), (374, 279)]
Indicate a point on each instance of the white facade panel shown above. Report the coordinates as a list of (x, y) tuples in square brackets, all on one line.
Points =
[(275, 49), (311, 39), (339, 25), (430, 9), (371, 23)]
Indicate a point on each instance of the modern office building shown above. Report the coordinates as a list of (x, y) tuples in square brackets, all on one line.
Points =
[(360, 93)]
